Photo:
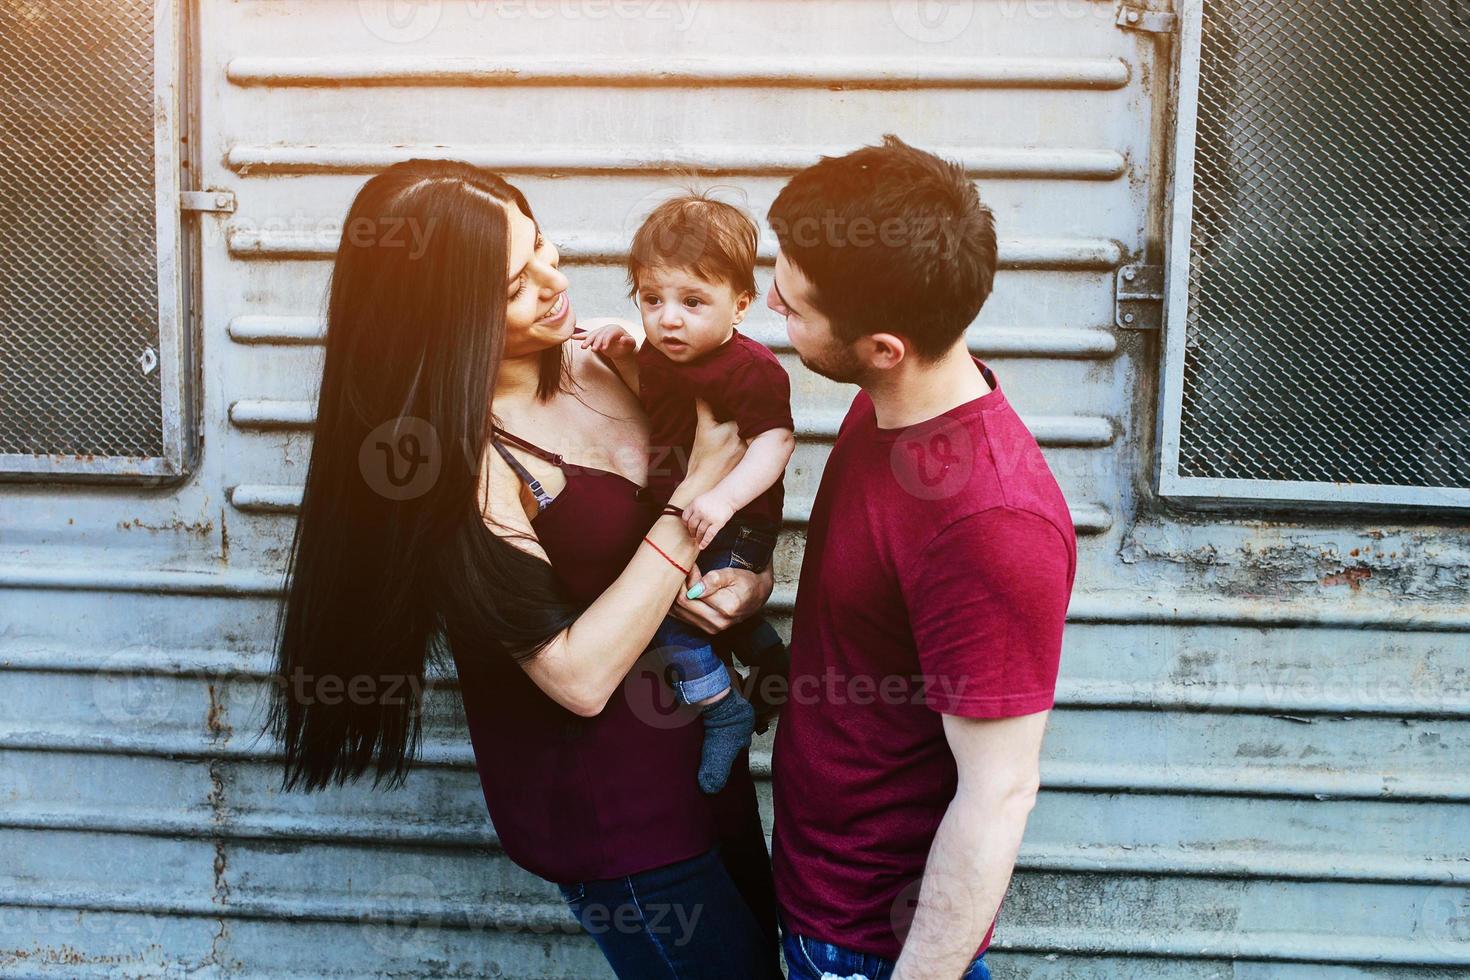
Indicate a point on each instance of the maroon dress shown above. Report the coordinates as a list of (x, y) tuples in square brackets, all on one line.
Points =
[(576, 799)]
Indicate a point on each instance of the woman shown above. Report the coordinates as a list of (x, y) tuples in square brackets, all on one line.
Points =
[(524, 553)]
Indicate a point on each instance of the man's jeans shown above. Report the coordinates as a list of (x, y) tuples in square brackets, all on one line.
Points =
[(812, 959)]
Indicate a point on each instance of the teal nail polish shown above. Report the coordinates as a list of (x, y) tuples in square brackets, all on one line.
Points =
[(695, 592)]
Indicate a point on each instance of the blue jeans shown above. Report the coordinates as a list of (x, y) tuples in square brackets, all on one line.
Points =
[(696, 671), (812, 959), (682, 921)]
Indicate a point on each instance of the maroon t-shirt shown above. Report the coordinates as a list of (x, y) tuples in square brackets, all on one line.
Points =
[(939, 563), (742, 381)]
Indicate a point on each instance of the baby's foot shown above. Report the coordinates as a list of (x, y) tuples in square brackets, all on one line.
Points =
[(728, 724)]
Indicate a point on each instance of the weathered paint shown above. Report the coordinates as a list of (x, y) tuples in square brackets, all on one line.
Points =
[(1255, 769)]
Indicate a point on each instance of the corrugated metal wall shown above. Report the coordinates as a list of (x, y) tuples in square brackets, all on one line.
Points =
[(1261, 735)]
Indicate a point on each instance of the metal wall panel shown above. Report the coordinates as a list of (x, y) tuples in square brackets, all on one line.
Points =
[(1255, 765)]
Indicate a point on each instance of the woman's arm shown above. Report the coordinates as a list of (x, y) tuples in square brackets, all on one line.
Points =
[(582, 666)]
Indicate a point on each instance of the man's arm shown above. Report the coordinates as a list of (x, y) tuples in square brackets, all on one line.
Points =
[(728, 596), (974, 850)]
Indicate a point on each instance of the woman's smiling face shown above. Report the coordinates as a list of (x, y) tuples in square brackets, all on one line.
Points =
[(538, 310)]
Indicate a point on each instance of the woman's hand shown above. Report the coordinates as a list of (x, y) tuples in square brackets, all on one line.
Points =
[(717, 448)]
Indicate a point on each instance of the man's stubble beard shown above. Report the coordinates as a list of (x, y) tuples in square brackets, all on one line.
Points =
[(837, 363)]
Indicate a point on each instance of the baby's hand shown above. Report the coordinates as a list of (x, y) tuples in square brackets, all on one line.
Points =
[(706, 516), (610, 339)]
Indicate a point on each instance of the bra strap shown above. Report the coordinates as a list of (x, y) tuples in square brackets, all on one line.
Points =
[(530, 447), (543, 499)]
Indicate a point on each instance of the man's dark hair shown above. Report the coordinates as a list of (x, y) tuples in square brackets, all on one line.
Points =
[(894, 239)]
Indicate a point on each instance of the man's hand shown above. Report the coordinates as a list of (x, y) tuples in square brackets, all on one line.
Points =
[(610, 339), (723, 597), (706, 516)]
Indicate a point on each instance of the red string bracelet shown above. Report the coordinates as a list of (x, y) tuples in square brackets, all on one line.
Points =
[(666, 556)]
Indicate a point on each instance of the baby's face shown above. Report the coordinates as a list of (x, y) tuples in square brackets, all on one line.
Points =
[(685, 316)]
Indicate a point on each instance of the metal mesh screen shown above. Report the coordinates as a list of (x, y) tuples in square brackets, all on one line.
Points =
[(1329, 292), (78, 272)]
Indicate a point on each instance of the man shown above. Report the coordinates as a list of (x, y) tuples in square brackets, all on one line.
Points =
[(938, 566)]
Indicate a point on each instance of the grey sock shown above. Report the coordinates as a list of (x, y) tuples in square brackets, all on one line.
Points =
[(728, 724)]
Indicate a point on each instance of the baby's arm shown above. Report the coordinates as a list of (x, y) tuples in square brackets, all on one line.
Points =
[(764, 463), (620, 339)]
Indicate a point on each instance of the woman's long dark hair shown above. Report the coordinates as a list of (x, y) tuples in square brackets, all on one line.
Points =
[(384, 577)]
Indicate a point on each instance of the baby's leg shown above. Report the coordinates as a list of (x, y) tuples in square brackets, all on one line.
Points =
[(700, 679), (697, 675), (754, 641), (729, 724)]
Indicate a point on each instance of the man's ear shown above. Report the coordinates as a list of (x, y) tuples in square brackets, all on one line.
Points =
[(885, 351)]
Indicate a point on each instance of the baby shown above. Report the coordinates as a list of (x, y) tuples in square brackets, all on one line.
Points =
[(692, 272)]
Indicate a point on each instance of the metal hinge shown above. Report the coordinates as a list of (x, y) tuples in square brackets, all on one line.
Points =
[(1136, 17), (221, 202), (1139, 298)]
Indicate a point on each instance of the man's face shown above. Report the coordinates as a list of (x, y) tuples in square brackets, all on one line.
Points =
[(809, 330)]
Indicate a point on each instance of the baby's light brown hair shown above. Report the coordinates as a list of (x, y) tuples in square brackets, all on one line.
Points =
[(714, 240)]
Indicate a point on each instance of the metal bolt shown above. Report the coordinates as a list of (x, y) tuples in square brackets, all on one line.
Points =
[(1130, 275), (1128, 318), (1133, 16), (222, 200)]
